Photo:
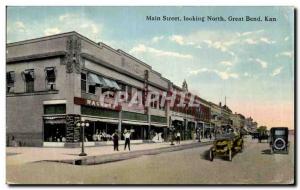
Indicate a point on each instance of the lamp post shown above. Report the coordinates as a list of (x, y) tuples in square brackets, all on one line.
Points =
[(82, 124)]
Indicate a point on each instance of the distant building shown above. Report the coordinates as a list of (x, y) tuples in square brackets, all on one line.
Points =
[(238, 120), (251, 125)]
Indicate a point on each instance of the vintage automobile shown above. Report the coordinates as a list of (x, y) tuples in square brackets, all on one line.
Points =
[(263, 136), (279, 140), (255, 135), (226, 145)]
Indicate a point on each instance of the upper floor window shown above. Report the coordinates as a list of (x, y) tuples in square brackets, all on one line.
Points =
[(83, 82), (50, 77), (28, 76), (10, 81), (129, 93)]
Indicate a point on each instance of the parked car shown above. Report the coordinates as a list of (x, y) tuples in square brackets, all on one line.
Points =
[(279, 140)]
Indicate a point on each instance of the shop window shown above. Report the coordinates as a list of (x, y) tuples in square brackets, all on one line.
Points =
[(83, 82), (55, 109), (50, 77), (55, 132), (28, 77), (10, 81)]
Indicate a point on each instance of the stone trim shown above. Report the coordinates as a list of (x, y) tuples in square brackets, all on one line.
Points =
[(36, 57), (32, 93)]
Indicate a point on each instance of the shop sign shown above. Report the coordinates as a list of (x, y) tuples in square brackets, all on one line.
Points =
[(106, 104)]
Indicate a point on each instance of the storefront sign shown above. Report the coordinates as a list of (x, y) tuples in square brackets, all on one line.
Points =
[(106, 104)]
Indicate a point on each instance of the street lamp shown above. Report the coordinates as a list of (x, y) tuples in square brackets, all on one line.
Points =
[(82, 124)]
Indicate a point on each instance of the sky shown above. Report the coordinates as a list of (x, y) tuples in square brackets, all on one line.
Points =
[(251, 63)]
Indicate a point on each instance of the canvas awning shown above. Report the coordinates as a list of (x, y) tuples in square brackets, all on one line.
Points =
[(111, 84), (176, 118), (94, 79), (135, 123), (101, 119), (55, 120), (159, 124)]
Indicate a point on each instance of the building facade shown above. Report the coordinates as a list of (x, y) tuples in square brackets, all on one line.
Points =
[(55, 82)]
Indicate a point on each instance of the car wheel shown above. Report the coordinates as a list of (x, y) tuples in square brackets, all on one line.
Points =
[(242, 147), (230, 155), (211, 155)]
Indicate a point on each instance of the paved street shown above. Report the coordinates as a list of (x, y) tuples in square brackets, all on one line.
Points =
[(189, 166)]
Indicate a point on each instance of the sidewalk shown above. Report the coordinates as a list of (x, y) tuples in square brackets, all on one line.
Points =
[(23, 155)]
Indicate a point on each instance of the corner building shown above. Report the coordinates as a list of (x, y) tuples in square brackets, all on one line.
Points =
[(53, 82)]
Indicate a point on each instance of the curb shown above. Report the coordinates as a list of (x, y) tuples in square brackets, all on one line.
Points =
[(102, 159)]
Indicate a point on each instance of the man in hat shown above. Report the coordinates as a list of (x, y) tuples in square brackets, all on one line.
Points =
[(127, 139), (115, 138)]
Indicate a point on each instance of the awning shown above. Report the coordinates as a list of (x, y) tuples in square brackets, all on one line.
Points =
[(159, 125), (111, 84), (135, 123), (29, 74), (101, 120), (94, 79), (176, 118), (55, 120)]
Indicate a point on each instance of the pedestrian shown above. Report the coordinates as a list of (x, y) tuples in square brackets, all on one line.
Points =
[(178, 137), (209, 136), (127, 139), (115, 138)]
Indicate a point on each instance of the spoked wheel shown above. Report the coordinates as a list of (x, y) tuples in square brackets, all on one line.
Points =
[(242, 147), (211, 155), (230, 155)]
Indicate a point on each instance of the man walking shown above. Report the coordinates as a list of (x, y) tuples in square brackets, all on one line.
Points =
[(115, 137), (127, 139)]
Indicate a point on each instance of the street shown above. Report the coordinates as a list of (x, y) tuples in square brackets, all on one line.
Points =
[(255, 165)]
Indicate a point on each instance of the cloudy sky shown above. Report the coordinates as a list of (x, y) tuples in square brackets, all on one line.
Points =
[(251, 63)]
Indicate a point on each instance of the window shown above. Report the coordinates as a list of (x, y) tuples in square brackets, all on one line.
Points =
[(50, 77), (154, 102), (162, 107), (10, 81), (83, 82), (55, 109), (122, 87), (28, 76), (93, 82), (129, 93)]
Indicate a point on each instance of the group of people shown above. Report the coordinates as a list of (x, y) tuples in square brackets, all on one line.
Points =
[(115, 137)]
